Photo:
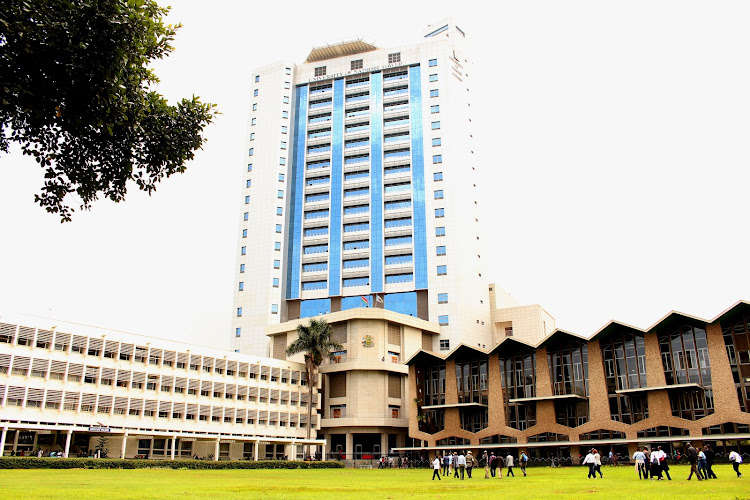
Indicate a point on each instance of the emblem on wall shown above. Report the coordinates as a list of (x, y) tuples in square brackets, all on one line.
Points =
[(367, 341)]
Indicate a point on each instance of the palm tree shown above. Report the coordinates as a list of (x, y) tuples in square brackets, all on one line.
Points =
[(315, 340)]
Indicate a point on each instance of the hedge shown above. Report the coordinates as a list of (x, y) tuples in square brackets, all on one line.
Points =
[(119, 463)]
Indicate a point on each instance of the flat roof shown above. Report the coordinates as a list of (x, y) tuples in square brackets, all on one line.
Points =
[(547, 398), (359, 313), (660, 387), (454, 405)]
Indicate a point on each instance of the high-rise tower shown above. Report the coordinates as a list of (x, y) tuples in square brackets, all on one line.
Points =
[(361, 190)]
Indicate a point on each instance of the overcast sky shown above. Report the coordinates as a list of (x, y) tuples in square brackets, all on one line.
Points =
[(613, 138)]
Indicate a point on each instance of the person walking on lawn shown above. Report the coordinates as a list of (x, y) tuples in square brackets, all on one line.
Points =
[(692, 456), (436, 468)]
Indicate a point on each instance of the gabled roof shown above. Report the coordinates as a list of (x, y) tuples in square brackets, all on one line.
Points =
[(736, 309), (511, 344), (675, 317), (613, 327), (464, 349), (422, 355), (557, 335), (342, 49)]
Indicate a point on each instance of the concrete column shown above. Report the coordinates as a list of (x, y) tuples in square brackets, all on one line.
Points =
[(216, 450), (725, 394), (174, 442), (383, 444), (67, 442), (2, 440), (349, 446), (15, 440), (124, 444), (323, 451), (256, 450), (293, 451)]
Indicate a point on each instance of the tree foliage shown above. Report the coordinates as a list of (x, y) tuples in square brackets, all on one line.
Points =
[(315, 340), (74, 93)]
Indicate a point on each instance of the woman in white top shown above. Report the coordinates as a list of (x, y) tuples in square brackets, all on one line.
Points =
[(736, 460), (598, 459), (509, 465), (640, 464)]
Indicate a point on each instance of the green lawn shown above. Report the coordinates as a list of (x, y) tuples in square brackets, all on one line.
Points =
[(338, 484)]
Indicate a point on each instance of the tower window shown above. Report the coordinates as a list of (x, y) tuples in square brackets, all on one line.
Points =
[(320, 71), (394, 58), (357, 64)]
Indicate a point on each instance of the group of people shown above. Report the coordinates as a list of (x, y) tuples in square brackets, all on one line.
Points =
[(654, 464), (494, 464), (651, 463), (399, 462), (459, 465), (594, 461)]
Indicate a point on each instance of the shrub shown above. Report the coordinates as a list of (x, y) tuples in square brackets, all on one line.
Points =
[(119, 463)]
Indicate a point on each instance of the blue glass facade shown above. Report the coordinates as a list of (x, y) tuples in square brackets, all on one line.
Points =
[(404, 303), (314, 307), (418, 196), (337, 168), (294, 234), (355, 302), (376, 183)]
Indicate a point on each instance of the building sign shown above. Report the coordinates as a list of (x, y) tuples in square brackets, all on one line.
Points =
[(99, 428), (367, 341), (371, 69)]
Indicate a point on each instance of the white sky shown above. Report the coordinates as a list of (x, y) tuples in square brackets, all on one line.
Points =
[(613, 137)]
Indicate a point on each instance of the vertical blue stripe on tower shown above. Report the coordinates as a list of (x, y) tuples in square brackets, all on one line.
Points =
[(417, 167), (337, 167), (296, 195), (376, 183)]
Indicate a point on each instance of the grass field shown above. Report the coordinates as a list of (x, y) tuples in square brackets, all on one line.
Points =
[(338, 484)]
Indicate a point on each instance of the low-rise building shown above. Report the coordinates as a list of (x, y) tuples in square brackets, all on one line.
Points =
[(684, 378), (365, 403), (73, 389)]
